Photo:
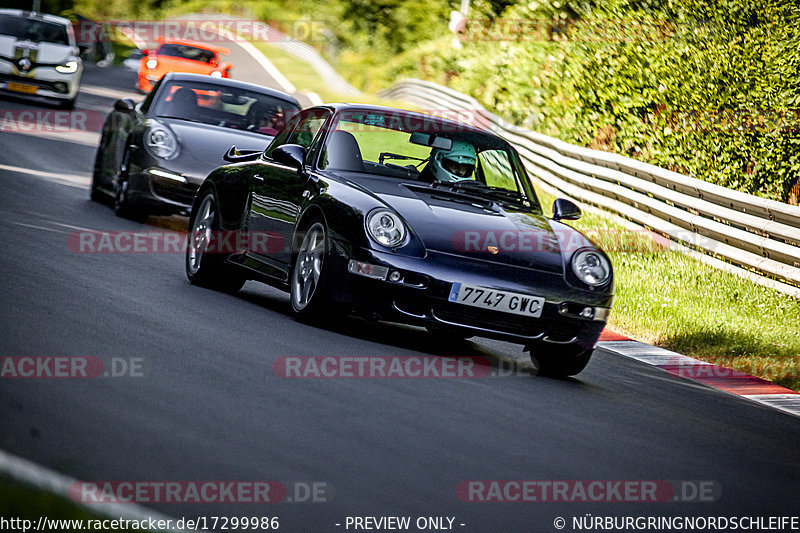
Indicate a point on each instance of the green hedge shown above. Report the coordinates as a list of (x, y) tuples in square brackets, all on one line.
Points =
[(707, 88)]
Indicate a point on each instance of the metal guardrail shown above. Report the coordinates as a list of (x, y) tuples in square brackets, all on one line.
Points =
[(752, 232)]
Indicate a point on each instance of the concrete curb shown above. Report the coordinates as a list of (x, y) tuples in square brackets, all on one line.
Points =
[(730, 381)]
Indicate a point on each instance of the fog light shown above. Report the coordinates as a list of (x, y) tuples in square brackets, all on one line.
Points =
[(601, 313), (365, 269), (588, 312), (395, 276), (60, 87)]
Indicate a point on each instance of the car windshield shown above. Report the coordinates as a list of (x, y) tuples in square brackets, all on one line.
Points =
[(186, 52), (447, 156), (225, 106), (32, 29)]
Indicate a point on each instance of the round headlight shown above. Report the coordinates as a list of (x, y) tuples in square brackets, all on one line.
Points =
[(386, 228), (216, 74), (160, 142), (151, 63), (591, 267)]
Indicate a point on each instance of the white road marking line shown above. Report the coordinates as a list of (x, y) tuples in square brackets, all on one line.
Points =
[(285, 85), (54, 230), (109, 93), (73, 180)]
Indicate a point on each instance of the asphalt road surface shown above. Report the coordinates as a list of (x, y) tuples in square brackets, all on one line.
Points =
[(204, 402)]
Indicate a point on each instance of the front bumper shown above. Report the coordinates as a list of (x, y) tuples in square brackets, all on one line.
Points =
[(41, 81), (162, 191), (420, 297)]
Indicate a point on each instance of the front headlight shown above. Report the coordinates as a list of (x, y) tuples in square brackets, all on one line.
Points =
[(386, 228), (591, 267), (151, 63), (160, 142), (69, 67), (216, 74)]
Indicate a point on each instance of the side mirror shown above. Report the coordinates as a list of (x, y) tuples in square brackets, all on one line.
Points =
[(226, 66), (291, 155), (565, 210), (145, 52), (234, 155), (124, 105)]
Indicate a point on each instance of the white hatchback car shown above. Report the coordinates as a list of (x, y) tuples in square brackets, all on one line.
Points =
[(39, 56)]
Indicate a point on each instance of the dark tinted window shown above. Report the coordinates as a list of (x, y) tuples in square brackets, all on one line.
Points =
[(222, 105), (186, 52), (31, 29)]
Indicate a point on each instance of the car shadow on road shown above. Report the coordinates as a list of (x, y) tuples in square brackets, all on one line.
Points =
[(488, 361)]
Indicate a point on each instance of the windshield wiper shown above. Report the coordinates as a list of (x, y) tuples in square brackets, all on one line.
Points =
[(481, 188), (389, 155)]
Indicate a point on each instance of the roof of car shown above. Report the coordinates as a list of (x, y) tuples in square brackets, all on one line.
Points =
[(185, 76), (460, 126), (196, 44), (30, 14)]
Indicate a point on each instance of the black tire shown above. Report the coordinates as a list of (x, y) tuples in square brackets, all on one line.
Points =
[(308, 292), (123, 207), (559, 361), (95, 193), (208, 269)]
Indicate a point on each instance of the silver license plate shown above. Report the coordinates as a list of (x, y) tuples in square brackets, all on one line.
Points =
[(496, 300)]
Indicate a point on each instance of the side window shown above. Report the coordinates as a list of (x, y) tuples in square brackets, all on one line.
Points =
[(282, 136), (496, 169), (307, 129)]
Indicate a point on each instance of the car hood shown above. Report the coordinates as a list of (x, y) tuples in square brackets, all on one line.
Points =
[(40, 52), (202, 146), (454, 223)]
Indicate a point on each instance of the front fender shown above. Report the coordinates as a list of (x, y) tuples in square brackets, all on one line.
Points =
[(232, 188)]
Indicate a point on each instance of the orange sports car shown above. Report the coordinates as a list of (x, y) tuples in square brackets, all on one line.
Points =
[(179, 55)]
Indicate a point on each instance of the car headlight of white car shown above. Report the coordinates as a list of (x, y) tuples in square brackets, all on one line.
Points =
[(69, 67), (160, 141)]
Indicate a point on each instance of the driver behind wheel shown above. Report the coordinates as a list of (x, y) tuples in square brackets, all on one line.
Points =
[(455, 164)]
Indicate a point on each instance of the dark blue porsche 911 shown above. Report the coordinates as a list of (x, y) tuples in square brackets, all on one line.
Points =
[(405, 217)]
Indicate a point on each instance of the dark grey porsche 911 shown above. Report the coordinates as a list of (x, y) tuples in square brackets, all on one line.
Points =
[(153, 155), (410, 218)]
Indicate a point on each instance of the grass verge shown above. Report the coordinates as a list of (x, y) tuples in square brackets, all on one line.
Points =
[(665, 298), (25, 503), (305, 78)]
